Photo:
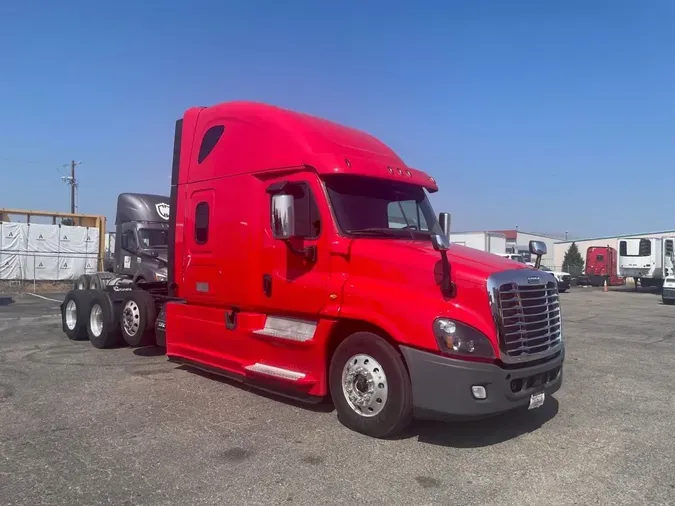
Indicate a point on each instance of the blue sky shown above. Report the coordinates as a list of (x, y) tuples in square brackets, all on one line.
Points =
[(553, 116)]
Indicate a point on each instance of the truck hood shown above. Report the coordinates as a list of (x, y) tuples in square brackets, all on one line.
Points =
[(397, 283), (418, 259)]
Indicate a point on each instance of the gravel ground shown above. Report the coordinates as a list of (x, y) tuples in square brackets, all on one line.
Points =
[(86, 426)]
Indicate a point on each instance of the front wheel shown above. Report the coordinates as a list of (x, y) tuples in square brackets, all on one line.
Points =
[(370, 386)]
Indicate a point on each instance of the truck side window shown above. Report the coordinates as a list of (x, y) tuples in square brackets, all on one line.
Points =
[(623, 250), (129, 241), (209, 141), (202, 223), (413, 215)]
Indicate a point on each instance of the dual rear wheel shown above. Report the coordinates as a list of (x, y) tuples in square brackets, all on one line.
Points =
[(93, 315)]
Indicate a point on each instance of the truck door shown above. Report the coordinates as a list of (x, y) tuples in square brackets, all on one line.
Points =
[(292, 283), (200, 274)]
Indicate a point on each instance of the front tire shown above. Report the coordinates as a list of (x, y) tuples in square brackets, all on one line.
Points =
[(370, 386)]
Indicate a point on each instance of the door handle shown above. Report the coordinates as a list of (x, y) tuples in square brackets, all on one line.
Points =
[(267, 284)]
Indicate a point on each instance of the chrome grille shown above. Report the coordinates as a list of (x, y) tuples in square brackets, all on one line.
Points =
[(528, 319)]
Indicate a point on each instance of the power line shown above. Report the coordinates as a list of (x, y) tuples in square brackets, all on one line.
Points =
[(72, 181)]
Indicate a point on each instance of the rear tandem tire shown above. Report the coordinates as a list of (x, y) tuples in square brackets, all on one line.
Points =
[(103, 326), (365, 361), (74, 314), (137, 318), (82, 283), (99, 280)]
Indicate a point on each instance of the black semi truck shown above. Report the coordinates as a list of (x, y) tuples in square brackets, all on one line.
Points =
[(141, 239)]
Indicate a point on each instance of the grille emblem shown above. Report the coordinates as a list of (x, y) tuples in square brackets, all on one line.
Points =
[(533, 280)]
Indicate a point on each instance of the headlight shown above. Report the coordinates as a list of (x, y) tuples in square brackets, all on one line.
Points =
[(457, 338), (160, 277)]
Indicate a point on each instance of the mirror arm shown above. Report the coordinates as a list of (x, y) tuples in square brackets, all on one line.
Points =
[(309, 252), (448, 287), (537, 262)]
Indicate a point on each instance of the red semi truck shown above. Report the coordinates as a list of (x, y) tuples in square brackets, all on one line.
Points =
[(601, 266), (305, 258)]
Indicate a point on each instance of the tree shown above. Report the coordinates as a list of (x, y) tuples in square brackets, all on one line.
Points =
[(573, 262), (68, 221)]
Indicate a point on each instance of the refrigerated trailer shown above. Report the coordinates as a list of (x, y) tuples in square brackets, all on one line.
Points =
[(648, 260), (490, 242), (285, 272)]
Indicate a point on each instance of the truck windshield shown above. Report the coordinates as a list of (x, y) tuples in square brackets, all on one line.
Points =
[(153, 237), (378, 207)]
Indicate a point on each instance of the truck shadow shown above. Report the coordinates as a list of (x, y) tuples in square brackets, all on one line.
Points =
[(324, 406), (485, 432), (456, 434), (149, 351)]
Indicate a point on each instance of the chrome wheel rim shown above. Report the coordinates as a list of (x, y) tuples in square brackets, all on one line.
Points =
[(96, 320), (71, 314), (131, 319), (364, 385)]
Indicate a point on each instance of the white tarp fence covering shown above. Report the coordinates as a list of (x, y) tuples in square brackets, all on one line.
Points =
[(47, 252)]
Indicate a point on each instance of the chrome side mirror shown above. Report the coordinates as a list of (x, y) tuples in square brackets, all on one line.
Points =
[(444, 222), (440, 242), (283, 217), (538, 248)]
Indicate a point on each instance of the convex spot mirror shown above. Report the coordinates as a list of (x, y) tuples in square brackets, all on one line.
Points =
[(444, 222), (283, 218)]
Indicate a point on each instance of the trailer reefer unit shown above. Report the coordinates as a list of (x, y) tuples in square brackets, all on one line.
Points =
[(646, 259), (288, 268)]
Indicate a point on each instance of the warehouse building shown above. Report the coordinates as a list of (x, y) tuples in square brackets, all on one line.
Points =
[(518, 241), (561, 247)]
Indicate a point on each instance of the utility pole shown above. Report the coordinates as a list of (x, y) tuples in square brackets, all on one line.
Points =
[(70, 180)]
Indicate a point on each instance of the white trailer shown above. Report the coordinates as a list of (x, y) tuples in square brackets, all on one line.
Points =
[(649, 260), (491, 242)]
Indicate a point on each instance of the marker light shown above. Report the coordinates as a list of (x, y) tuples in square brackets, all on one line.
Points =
[(479, 392)]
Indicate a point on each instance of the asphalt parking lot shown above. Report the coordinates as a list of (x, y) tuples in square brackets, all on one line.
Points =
[(86, 426)]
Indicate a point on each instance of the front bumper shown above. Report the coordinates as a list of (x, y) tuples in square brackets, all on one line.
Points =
[(442, 386), (668, 293), (564, 285)]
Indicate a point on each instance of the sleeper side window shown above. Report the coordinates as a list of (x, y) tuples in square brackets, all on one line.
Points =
[(202, 223), (209, 141)]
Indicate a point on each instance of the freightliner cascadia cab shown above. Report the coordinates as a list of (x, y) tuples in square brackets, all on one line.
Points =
[(307, 256)]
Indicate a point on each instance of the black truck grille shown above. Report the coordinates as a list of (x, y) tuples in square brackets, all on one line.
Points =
[(529, 318), (566, 279)]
